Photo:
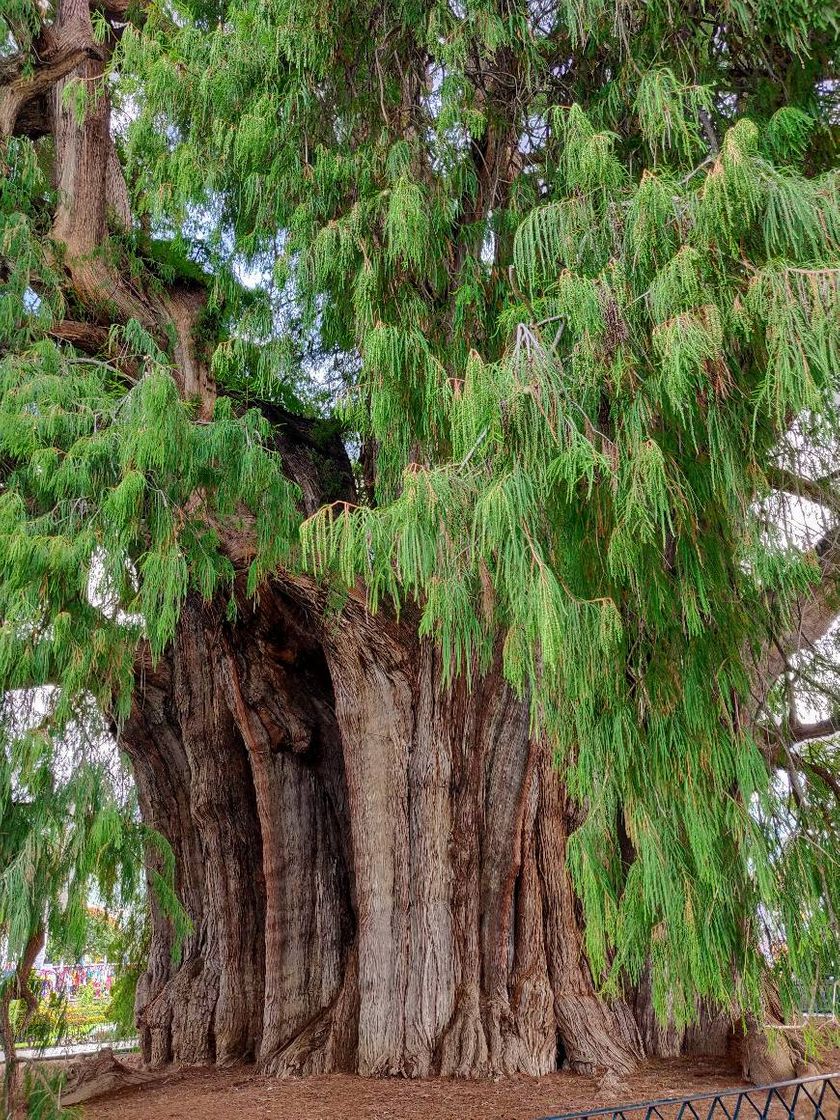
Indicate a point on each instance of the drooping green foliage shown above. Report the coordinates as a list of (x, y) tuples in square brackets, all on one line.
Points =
[(68, 828), (580, 263), (98, 545)]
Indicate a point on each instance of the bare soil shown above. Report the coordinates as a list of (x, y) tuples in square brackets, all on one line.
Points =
[(243, 1094)]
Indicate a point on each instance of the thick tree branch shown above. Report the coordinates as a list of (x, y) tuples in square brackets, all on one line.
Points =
[(825, 775), (92, 197), (813, 490), (94, 340), (820, 729), (776, 743), (88, 337), (57, 52), (812, 617)]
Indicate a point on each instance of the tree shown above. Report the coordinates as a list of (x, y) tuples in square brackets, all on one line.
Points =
[(441, 581), (67, 828)]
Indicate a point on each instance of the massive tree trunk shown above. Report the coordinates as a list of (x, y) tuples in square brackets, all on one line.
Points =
[(374, 866), (378, 862)]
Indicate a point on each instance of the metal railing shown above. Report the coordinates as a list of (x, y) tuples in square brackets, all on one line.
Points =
[(808, 1098)]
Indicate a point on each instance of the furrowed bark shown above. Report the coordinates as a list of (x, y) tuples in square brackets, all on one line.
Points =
[(195, 786), (58, 51), (418, 916)]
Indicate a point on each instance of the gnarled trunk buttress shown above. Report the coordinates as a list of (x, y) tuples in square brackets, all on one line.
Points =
[(415, 910), (194, 786)]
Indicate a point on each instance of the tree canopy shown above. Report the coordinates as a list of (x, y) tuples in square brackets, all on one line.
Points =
[(566, 275)]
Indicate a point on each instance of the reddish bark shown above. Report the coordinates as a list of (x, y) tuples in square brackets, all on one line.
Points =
[(414, 906)]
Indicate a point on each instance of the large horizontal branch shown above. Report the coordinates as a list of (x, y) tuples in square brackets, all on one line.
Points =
[(95, 341), (825, 775), (88, 337), (813, 490), (812, 617), (777, 746), (820, 729)]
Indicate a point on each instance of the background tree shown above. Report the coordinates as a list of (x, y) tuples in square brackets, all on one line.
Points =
[(68, 827), (486, 751)]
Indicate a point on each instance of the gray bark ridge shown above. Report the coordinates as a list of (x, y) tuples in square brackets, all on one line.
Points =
[(410, 913)]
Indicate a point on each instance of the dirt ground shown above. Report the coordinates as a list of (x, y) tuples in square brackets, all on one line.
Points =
[(242, 1094)]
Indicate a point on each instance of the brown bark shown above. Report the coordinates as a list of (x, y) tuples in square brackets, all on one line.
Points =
[(100, 1073), (374, 867), (195, 788), (37, 96), (413, 904), (17, 988), (597, 1038), (58, 51)]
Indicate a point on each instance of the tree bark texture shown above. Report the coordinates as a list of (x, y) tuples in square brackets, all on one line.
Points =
[(374, 867)]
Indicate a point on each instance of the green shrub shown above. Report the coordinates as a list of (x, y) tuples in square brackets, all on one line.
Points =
[(57, 1021)]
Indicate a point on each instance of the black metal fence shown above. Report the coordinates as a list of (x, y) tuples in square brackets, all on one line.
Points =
[(808, 1098)]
